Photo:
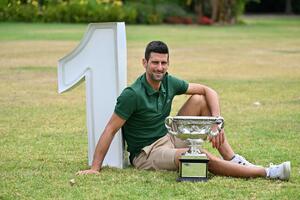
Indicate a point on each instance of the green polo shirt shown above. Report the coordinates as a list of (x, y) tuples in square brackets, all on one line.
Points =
[(145, 110)]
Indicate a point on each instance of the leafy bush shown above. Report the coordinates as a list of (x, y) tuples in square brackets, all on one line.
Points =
[(73, 11), (171, 9), (15, 12), (146, 13)]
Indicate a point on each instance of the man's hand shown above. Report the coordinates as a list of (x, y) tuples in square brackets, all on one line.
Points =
[(114, 124), (89, 171), (218, 140)]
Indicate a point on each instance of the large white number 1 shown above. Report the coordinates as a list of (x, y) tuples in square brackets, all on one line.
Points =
[(100, 59)]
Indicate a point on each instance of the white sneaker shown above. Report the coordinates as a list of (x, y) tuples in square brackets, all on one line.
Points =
[(281, 171), (241, 160)]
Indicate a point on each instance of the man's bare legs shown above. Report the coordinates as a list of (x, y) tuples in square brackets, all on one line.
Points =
[(196, 106), (221, 167)]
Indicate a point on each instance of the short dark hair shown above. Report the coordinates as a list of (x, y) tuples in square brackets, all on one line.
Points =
[(156, 47)]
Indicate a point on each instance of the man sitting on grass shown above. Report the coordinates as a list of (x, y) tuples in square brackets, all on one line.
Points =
[(141, 110)]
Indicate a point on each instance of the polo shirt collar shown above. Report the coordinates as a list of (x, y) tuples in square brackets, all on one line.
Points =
[(150, 91)]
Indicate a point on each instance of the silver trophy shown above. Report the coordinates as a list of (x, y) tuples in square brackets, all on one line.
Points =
[(195, 130)]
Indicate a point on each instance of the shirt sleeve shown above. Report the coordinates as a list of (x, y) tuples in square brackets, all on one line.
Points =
[(179, 86), (126, 103)]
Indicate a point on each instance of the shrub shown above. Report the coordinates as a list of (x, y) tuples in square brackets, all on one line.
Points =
[(146, 13), (15, 12), (170, 10), (73, 11)]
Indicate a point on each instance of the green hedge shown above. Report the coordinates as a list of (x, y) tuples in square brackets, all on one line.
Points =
[(73, 11), (86, 11), (68, 12)]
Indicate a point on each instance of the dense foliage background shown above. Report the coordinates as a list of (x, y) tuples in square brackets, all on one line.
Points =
[(138, 11)]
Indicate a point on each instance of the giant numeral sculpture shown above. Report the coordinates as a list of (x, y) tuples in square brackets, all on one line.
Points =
[(100, 59)]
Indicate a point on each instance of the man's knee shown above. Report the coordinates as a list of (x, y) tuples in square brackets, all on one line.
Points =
[(201, 103), (196, 105), (199, 100)]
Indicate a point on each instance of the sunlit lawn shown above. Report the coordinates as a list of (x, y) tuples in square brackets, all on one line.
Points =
[(44, 137)]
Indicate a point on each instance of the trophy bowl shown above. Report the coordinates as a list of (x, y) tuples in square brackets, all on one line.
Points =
[(195, 130), (194, 127)]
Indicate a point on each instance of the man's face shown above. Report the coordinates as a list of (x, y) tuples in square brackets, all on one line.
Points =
[(157, 66)]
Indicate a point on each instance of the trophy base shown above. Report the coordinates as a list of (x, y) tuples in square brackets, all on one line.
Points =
[(191, 179), (193, 168)]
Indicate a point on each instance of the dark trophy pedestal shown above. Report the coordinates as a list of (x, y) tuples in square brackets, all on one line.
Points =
[(193, 168)]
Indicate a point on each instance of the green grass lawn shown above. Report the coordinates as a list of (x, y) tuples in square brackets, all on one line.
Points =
[(44, 137)]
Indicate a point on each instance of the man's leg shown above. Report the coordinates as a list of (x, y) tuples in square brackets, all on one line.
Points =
[(196, 106), (179, 153), (160, 155), (221, 167)]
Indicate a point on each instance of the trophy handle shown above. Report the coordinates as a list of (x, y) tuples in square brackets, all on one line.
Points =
[(168, 124), (220, 124)]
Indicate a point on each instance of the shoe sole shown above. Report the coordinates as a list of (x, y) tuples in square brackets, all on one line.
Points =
[(286, 171)]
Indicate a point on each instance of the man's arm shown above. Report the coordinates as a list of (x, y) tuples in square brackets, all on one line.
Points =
[(114, 124), (211, 97), (212, 101)]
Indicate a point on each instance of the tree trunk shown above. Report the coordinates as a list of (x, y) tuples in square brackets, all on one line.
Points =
[(40, 4), (222, 11), (288, 7), (215, 10), (198, 8)]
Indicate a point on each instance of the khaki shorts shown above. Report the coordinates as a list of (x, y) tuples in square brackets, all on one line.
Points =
[(160, 155)]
